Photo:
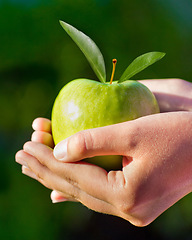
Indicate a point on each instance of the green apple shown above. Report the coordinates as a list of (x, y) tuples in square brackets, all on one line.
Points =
[(85, 104)]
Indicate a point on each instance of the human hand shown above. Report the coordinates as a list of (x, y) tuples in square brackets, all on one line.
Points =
[(156, 170), (172, 94)]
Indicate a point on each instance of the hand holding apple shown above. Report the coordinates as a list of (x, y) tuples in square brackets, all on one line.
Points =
[(153, 177), (144, 188), (173, 122)]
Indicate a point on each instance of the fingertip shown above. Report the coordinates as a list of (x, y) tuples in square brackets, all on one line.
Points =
[(35, 137), (27, 145), (18, 155), (35, 123), (56, 197), (42, 124), (60, 150), (43, 137)]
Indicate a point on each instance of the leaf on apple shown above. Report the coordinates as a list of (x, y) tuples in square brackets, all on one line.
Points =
[(89, 48), (140, 63)]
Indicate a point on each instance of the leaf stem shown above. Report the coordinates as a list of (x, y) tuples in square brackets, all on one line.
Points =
[(113, 71)]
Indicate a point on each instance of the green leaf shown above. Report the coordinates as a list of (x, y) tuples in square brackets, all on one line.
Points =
[(89, 48), (140, 63)]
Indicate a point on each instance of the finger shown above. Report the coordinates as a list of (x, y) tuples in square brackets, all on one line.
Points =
[(81, 182), (42, 124), (44, 155), (98, 205), (39, 161), (71, 189), (19, 159), (110, 140), (43, 137), (90, 202), (87, 200), (56, 197), (84, 176), (29, 173), (37, 174), (44, 176), (29, 163)]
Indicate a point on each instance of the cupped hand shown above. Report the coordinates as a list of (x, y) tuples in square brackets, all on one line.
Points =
[(156, 169)]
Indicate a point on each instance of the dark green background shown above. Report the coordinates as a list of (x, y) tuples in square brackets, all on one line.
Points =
[(36, 59)]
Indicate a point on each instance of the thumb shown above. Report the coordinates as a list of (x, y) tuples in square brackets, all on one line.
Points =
[(109, 140)]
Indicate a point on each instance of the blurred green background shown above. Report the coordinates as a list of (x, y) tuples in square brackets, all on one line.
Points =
[(36, 59)]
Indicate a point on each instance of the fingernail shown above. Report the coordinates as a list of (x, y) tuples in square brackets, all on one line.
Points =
[(56, 197), (60, 150), (59, 200)]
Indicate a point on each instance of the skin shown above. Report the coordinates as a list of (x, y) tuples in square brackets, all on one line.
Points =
[(156, 169)]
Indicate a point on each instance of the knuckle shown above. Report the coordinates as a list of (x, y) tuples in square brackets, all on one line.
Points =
[(39, 171), (40, 175), (44, 177), (79, 142), (69, 188), (82, 142), (124, 198), (75, 195)]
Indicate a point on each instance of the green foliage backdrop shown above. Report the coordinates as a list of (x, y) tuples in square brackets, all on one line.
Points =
[(36, 59)]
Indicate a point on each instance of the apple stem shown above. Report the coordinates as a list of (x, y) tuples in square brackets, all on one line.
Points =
[(113, 71)]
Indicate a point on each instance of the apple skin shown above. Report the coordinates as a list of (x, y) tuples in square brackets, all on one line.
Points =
[(85, 104)]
